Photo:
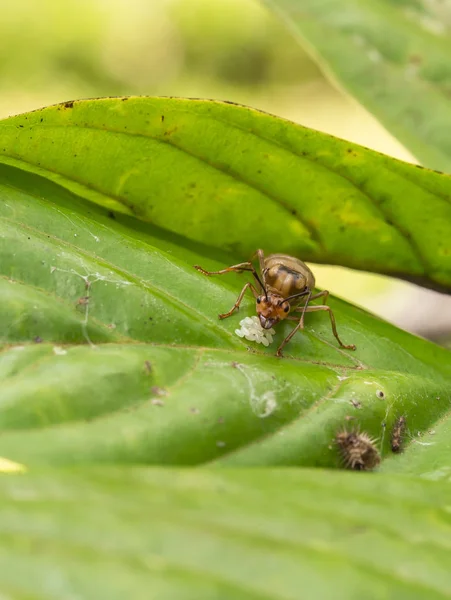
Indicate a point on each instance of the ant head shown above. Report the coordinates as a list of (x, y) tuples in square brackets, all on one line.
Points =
[(271, 309)]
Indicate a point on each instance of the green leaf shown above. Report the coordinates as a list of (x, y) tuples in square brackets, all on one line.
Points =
[(240, 179), (241, 534), (392, 55), (144, 372)]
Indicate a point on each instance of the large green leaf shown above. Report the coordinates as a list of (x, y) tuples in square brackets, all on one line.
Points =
[(393, 55), (241, 534), (240, 179), (146, 373)]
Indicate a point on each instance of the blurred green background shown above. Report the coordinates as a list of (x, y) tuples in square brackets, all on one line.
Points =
[(57, 50)]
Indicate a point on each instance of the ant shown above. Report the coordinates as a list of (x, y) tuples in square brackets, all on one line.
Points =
[(286, 284)]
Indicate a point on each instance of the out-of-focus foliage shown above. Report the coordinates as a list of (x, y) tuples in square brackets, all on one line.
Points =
[(148, 534), (115, 47), (392, 56)]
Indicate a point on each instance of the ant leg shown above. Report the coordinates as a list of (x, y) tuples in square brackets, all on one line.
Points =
[(306, 301), (261, 259), (244, 266), (332, 322), (239, 268), (304, 308), (300, 325), (239, 299), (309, 297), (324, 293)]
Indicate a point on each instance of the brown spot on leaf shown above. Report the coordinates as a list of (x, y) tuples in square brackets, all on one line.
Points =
[(158, 391), (83, 301), (157, 402), (415, 59), (170, 131)]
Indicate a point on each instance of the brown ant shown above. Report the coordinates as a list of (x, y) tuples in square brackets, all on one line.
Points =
[(287, 285)]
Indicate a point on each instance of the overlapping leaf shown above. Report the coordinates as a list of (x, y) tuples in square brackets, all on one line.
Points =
[(242, 534), (240, 179)]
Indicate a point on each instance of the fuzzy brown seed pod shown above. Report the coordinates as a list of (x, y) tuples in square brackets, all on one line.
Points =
[(397, 436), (358, 450)]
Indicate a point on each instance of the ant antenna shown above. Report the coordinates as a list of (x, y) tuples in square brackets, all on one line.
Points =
[(261, 284), (298, 295)]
